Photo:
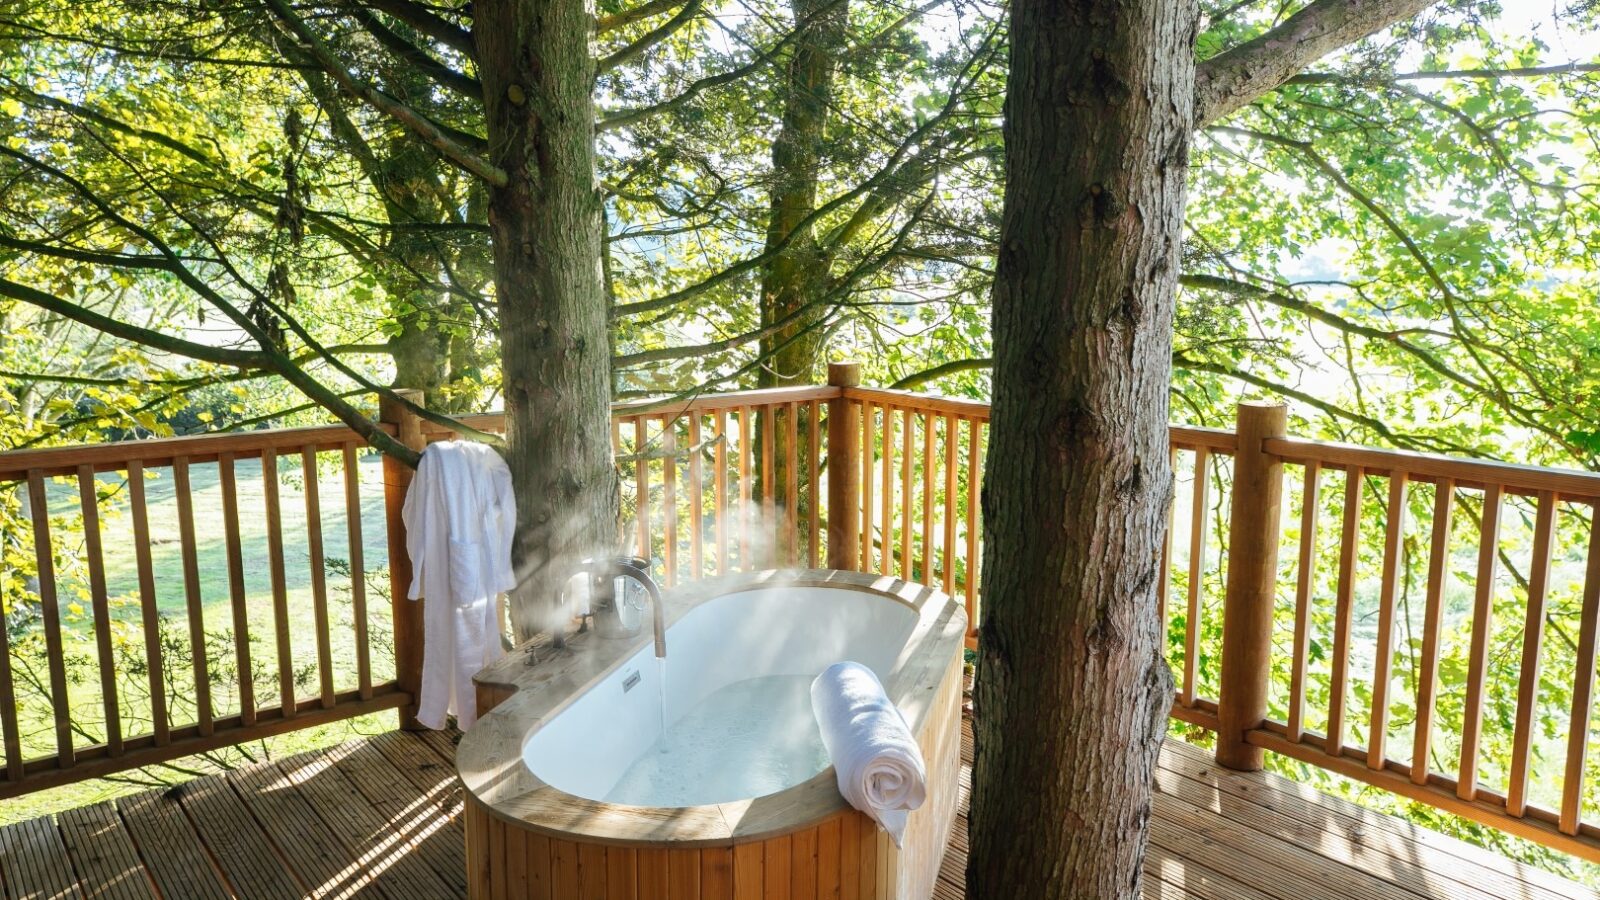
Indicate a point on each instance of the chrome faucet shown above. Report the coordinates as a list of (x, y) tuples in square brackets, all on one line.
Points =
[(637, 569), (613, 612)]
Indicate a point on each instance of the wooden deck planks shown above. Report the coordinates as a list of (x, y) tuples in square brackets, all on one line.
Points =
[(318, 856), (247, 856), (380, 850), (172, 853), (425, 816), (382, 818), (35, 863), (106, 862)]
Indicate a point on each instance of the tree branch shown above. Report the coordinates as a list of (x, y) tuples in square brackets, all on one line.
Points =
[(1571, 68), (461, 83), (427, 22), (450, 148), (614, 21), (1233, 79), (159, 340), (917, 379), (623, 118), (650, 38)]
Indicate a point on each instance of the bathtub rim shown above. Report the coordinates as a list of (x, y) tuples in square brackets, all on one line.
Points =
[(489, 759)]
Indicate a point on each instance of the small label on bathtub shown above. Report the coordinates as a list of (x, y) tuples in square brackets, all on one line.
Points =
[(630, 680)]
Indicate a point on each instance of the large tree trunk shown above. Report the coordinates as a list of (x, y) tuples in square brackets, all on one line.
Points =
[(1072, 689), (796, 277), (537, 73)]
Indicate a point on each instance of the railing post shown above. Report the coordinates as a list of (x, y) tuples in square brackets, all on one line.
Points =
[(1252, 583), (407, 615), (844, 471)]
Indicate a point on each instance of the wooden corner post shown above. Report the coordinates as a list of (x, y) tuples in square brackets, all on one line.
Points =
[(407, 615), (844, 471), (1252, 583)]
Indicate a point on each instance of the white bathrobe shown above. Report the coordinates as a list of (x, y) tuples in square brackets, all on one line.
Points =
[(460, 516)]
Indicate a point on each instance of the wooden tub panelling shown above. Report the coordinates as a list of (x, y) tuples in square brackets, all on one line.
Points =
[(510, 862)]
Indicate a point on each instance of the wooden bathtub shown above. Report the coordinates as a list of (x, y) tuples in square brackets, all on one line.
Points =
[(569, 715)]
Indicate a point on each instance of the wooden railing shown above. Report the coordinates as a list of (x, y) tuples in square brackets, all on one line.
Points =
[(1458, 496), (132, 716), (1277, 550)]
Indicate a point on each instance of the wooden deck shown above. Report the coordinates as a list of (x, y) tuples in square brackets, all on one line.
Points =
[(380, 818)]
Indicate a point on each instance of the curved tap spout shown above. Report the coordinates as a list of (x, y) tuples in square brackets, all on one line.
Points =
[(638, 569)]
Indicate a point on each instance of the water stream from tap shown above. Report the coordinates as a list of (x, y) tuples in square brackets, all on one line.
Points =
[(661, 707)]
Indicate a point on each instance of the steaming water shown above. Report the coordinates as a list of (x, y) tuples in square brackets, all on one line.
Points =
[(749, 739)]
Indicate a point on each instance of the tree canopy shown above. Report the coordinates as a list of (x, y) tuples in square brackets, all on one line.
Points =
[(221, 196)]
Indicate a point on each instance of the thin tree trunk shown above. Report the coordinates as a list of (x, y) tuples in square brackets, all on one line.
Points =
[(537, 73), (1072, 690), (796, 278)]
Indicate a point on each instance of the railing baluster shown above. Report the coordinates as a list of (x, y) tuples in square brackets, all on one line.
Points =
[(319, 573), (791, 493), (10, 732), (1582, 687), (814, 508), (869, 441), (1305, 581), (696, 502), (1197, 567), (1438, 574), (1478, 659), (641, 485), (358, 581), (720, 427), (887, 555), (149, 612), (1544, 528), (772, 529), (50, 610), (907, 448), (1164, 578), (236, 589), (618, 453), (926, 572), (194, 600), (1344, 602), (89, 502), (280, 588), (974, 519), (1383, 656), (947, 572), (669, 498), (746, 511)]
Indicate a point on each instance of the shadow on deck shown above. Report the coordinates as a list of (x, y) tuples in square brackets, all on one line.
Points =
[(381, 818)]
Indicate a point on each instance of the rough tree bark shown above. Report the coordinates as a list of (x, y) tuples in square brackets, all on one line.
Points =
[(1072, 691), (538, 73)]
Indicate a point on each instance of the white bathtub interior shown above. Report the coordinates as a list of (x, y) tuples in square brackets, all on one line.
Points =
[(756, 651)]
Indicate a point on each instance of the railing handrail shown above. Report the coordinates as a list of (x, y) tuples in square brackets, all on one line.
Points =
[(1514, 478), (196, 448)]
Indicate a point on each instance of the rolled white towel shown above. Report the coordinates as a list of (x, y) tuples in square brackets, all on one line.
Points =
[(879, 764)]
